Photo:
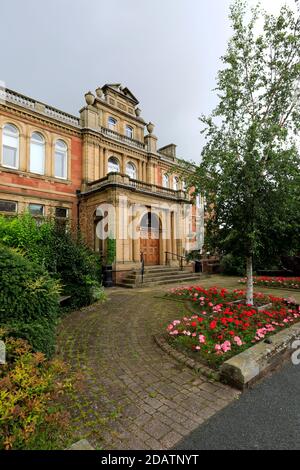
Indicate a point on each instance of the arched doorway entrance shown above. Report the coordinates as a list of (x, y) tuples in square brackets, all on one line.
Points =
[(150, 234)]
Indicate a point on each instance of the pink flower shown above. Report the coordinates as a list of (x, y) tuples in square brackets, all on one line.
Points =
[(202, 339), (218, 347), (226, 346), (174, 333), (198, 348), (238, 340), (170, 327)]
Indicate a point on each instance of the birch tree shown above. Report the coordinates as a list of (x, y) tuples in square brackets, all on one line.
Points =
[(250, 163)]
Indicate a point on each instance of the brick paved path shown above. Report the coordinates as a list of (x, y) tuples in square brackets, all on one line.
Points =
[(134, 396)]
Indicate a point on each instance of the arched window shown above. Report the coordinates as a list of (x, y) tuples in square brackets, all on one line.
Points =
[(37, 154), (61, 160), (113, 165), (131, 170), (129, 132), (175, 183), (112, 123), (165, 180), (183, 185), (10, 146), (150, 221)]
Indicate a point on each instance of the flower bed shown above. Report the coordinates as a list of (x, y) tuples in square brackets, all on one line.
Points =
[(222, 329), (278, 282)]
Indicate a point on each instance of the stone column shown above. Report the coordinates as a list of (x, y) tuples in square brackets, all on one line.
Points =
[(140, 171), (24, 152), (123, 164), (105, 162)]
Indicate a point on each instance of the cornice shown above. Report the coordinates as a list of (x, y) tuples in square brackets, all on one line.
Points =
[(23, 113)]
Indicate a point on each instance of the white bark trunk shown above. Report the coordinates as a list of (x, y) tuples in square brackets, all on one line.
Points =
[(249, 281)]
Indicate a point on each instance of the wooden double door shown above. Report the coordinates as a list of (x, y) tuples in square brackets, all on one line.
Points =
[(150, 246)]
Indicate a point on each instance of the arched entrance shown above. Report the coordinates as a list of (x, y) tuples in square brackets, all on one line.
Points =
[(150, 235)]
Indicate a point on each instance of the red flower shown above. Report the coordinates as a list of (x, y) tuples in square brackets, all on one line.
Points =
[(213, 325), (232, 333), (194, 324)]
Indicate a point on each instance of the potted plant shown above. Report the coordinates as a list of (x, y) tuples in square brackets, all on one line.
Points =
[(110, 259)]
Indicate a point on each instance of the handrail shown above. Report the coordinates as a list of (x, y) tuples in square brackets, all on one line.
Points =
[(179, 257), (142, 266)]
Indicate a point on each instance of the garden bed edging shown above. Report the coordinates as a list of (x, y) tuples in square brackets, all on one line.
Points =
[(246, 368)]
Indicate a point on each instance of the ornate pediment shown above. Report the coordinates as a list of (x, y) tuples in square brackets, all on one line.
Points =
[(122, 91)]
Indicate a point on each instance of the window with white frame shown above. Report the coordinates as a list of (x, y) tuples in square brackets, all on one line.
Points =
[(10, 146), (129, 132), (37, 153), (176, 183), (36, 210), (113, 165), (8, 206), (61, 160), (112, 123), (131, 170), (165, 180)]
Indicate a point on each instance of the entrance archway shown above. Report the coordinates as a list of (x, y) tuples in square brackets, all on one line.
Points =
[(149, 240)]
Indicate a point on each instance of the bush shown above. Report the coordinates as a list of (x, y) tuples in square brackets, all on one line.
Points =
[(24, 233), (28, 384), (28, 300), (232, 265), (67, 259), (77, 267)]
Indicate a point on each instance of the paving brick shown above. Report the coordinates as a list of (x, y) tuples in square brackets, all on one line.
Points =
[(157, 428), (171, 439), (112, 345)]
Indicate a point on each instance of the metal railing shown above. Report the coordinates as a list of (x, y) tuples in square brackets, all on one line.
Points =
[(142, 266), (179, 258)]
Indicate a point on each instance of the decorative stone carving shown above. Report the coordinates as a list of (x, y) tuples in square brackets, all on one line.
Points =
[(99, 92), (89, 98), (150, 127), (138, 112)]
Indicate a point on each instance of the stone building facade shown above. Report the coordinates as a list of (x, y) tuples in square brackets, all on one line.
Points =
[(101, 171)]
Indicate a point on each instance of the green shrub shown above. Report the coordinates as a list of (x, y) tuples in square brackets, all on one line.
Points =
[(28, 386), (24, 233), (77, 267), (66, 258), (28, 300), (232, 265)]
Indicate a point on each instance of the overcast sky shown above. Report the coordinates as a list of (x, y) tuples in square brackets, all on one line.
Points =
[(165, 51)]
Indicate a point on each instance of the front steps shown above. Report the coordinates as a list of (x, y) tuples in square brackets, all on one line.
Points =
[(158, 275)]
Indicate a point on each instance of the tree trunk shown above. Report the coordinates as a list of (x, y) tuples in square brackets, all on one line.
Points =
[(250, 280)]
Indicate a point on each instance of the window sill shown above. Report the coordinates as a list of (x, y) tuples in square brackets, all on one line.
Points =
[(29, 175)]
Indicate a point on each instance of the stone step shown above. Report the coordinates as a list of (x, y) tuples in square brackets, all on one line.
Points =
[(158, 282), (161, 277), (148, 274), (159, 271)]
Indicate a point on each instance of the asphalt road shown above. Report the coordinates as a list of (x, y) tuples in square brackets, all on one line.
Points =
[(266, 417)]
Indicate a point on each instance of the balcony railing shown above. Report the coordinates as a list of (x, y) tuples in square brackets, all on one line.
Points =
[(117, 179), (122, 138)]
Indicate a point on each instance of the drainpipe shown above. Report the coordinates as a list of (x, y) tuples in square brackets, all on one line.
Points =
[(78, 194)]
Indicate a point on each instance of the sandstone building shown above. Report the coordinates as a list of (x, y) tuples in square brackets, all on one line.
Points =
[(77, 168)]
